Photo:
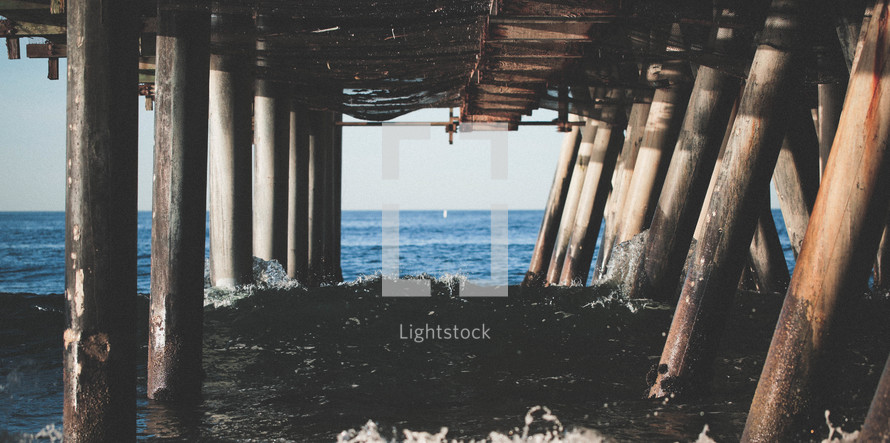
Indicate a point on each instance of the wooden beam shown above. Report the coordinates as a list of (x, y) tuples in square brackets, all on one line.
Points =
[(520, 30), (11, 5), (16, 28), (46, 50)]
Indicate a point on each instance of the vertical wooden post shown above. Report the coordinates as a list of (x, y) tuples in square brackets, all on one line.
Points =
[(840, 243), (298, 195), (271, 138), (317, 146), (636, 128), (231, 95), (662, 130), (686, 183), (743, 180), (336, 273), (586, 229), (797, 175), (767, 257), (540, 261), (178, 203), (882, 263), (831, 98), (100, 224), (573, 197), (13, 48), (877, 422), (327, 200)]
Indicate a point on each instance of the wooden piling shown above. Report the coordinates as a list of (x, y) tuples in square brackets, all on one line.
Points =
[(13, 48), (570, 209), (831, 99), (179, 202), (231, 95), (336, 272), (700, 224), (298, 195), (636, 128), (743, 180), (797, 175), (877, 422), (766, 255), (662, 129), (271, 139), (318, 144), (840, 243), (686, 183), (882, 263), (592, 202), (100, 223), (540, 261)]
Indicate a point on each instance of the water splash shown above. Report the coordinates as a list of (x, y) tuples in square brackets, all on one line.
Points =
[(836, 434), (48, 433), (624, 263), (553, 432), (267, 274)]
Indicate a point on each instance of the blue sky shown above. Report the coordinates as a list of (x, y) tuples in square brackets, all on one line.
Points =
[(433, 174)]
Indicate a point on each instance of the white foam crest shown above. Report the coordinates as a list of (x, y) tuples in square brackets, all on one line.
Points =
[(703, 437), (836, 434), (267, 274), (625, 262), (553, 433), (49, 432)]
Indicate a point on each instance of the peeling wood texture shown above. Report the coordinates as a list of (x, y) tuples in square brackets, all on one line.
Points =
[(100, 227)]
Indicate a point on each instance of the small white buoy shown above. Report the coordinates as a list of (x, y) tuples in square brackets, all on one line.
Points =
[(445, 214)]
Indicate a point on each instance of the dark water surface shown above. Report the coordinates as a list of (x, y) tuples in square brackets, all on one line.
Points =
[(287, 363)]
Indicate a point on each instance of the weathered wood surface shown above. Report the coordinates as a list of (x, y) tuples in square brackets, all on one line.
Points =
[(636, 128), (797, 175), (609, 139), (765, 251), (335, 273), (743, 180), (231, 207), (877, 422), (882, 263), (840, 243), (100, 343), (179, 202), (662, 129), (570, 209), (540, 261), (686, 183), (298, 192), (319, 143), (271, 139)]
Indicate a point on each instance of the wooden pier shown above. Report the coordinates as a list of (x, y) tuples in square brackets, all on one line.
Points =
[(676, 117)]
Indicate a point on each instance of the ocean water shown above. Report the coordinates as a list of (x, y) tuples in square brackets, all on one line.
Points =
[(286, 363)]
